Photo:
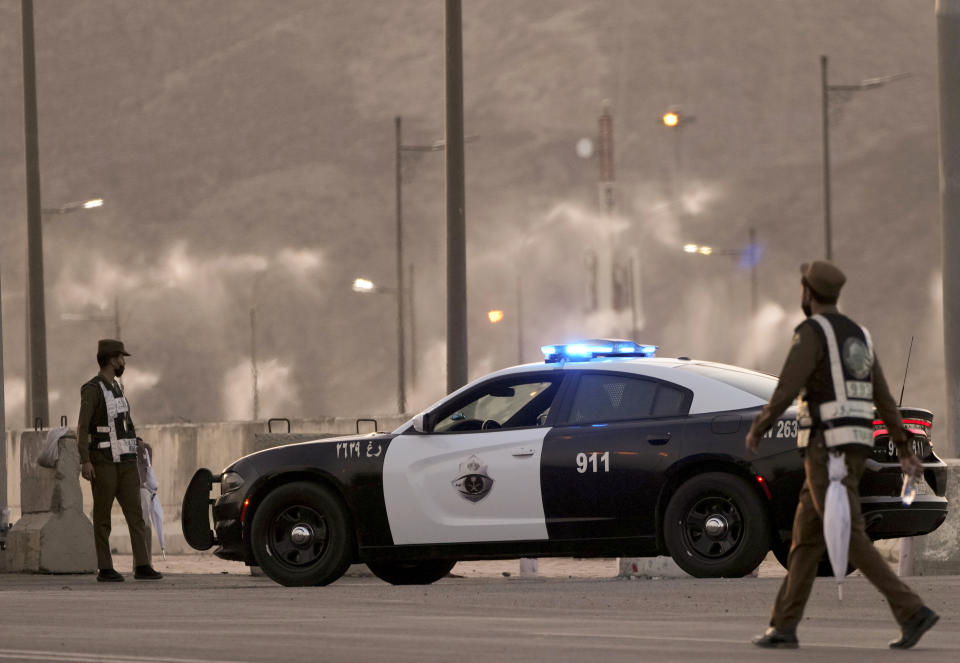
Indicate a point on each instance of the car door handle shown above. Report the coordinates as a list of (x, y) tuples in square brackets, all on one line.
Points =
[(658, 439), (521, 452)]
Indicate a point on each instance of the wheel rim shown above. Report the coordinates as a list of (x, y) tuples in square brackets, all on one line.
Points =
[(713, 527), (298, 536)]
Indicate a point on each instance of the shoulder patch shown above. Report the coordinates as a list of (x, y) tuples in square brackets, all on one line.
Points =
[(796, 338)]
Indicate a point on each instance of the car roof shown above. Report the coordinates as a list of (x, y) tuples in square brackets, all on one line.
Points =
[(709, 393)]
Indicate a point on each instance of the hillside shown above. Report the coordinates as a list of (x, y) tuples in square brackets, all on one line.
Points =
[(245, 150)]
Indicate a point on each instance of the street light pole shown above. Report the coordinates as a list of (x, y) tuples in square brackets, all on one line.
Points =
[(825, 90), (456, 199), (401, 359), (37, 407), (825, 113)]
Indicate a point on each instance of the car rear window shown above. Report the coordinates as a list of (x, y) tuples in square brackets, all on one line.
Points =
[(760, 385)]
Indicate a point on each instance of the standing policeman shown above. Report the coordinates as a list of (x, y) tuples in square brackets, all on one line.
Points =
[(833, 369), (108, 456)]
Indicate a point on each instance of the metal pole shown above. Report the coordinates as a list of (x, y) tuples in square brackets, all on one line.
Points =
[(752, 243), (36, 373), (254, 372), (411, 307), (948, 38), (4, 507), (456, 200), (825, 111), (754, 292), (519, 319), (116, 317), (401, 360)]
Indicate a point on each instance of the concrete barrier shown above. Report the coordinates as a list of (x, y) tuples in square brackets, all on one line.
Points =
[(178, 450), (52, 535), (938, 553)]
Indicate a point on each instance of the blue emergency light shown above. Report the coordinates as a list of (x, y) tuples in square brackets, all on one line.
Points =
[(587, 350)]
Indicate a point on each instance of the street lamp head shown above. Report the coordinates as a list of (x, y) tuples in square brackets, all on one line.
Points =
[(705, 250), (671, 119), (96, 202), (495, 316), (690, 248), (364, 285)]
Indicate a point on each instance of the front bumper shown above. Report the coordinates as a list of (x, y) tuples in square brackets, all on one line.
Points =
[(227, 512)]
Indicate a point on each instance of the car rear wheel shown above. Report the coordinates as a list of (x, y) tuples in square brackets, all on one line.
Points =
[(716, 526), (301, 535), (411, 573)]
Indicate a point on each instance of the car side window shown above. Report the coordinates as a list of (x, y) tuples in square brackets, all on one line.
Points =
[(606, 397), (501, 404)]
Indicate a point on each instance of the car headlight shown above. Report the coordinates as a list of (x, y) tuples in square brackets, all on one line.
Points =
[(229, 482)]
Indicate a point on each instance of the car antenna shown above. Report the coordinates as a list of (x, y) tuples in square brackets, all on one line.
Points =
[(904, 385)]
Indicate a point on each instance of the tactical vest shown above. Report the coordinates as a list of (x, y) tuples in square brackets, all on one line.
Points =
[(844, 411), (111, 427)]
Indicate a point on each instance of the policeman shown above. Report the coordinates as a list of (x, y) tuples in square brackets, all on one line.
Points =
[(833, 369), (108, 455)]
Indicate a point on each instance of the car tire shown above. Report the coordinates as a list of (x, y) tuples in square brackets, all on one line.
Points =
[(301, 535), (412, 573), (716, 526), (781, 550)]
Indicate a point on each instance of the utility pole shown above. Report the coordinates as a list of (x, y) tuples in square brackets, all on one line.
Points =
[(4, 507), (37, 407), (401, 359), (844, 91), (948, 40), (456, 199), (254, 372), (825, 114)]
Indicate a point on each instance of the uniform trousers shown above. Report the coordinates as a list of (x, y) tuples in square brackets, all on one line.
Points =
[(808, 546), (120, 481)]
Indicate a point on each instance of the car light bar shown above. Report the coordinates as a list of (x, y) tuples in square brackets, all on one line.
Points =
[(594, 348)]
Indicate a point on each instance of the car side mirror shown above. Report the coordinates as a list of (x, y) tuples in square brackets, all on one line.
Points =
[(420, 423)]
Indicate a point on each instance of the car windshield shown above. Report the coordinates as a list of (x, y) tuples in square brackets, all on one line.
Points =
[(760, 385)]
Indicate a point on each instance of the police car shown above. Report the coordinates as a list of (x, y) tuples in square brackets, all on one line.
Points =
[(601, 450)]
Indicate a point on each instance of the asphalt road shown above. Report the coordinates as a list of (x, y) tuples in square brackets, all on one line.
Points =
[(190, 617)]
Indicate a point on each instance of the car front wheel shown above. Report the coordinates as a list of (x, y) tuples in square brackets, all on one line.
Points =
[(411, 573), (301, 535), (716, 526)]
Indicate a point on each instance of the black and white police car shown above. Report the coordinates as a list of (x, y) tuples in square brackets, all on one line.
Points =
[(602, 450)]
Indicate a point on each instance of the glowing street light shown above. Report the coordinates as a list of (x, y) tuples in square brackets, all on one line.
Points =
[(696, 248), (364, 285), (671, 119), (495, 316), (74, 206)]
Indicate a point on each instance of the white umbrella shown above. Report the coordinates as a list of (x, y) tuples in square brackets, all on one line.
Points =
[(149, 501), (836, 519)]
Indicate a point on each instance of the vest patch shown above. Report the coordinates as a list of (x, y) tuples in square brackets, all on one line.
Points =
[(856, 358)]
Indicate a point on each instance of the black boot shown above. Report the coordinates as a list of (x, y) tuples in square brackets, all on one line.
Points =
[(109, 575), (917, 625), (146, 572), (774, 639)]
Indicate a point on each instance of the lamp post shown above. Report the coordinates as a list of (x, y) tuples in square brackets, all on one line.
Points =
[(844, 92), (37, 405), (749, 255), (368, 287), (676, 120), (114, 318)]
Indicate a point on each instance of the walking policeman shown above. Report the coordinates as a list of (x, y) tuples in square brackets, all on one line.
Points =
[(108, 456), (833, 369)]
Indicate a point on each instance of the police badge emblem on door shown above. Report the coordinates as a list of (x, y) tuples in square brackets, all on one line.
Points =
[(473, 483)]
